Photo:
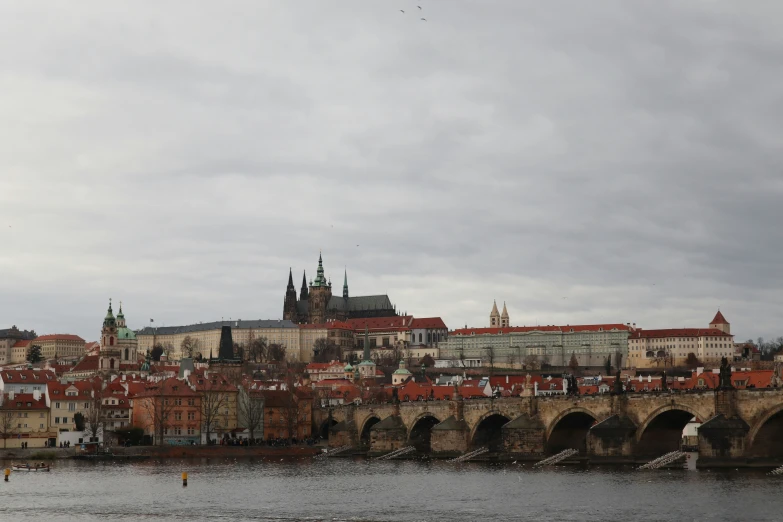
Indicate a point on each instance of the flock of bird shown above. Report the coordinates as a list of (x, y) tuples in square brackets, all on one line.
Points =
[(423, 19)]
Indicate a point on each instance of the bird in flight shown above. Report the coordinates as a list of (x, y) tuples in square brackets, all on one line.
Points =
[(418, 6), (403, 12), (424, 19)]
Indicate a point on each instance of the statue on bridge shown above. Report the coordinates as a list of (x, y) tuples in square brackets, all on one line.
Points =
[(618, 385), (573, 387), (725, 375)]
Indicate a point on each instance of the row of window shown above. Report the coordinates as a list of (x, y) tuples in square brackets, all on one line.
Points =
[(191, 415), (178, 401), (178, 431)]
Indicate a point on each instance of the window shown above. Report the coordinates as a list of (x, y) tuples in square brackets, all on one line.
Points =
[(177, 431), (178, 402), (191, 402), (57, 420), (191, 415), (41, 426), (86, 405), (178, 415), (71, 406), (65, 420), (191, 431)]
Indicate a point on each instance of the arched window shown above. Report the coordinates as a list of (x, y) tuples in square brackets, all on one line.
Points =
[(419, 337), (126, 354), (111, 341), (111, 364)]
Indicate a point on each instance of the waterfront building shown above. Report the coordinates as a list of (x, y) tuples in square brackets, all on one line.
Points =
[(288, 414), (169, 412), (65, 400), (218, 404), (671, 346), (535, 345), (316, 304), (25, 420), (399, 335)]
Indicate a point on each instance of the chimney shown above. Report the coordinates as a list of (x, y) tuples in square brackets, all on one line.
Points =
[(123, 377), (11, 395)]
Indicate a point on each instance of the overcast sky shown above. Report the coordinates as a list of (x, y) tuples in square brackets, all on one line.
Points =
[(585, 162)]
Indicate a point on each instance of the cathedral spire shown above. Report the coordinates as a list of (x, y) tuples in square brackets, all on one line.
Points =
[(345, 285), (303, 293), (320, 279), (290, 280)]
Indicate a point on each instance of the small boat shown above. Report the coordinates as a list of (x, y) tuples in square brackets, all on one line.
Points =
[(28, 467)]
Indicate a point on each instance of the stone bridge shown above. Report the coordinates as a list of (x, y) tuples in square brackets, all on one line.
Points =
[(736, 424)]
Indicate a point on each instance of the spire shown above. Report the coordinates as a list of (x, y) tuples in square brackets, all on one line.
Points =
[(494, 307), (320, 280), (345, 285), (303, 293), (290, 280), (505, 312), (109, 319)]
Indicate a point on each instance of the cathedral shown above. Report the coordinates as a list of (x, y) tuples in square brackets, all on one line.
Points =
[(317, 305), (118, 343)]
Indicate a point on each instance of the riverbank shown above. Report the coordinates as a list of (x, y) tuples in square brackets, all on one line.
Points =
[(169, 452)]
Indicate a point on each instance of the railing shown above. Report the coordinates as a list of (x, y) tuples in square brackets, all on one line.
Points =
[(663, 460), (554, 459), (333, 452), (470, 455), (396, 453)]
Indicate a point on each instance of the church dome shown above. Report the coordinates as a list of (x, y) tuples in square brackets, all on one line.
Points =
[(125, 333)]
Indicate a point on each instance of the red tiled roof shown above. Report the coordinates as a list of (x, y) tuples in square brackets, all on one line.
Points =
[(719, 319), (27, 376), (678, 332), (59, 337), (88, 363), (84, 387), (551, 328), (168, 387), (22, 343), (20, 401), (428, 322), (380, 323)]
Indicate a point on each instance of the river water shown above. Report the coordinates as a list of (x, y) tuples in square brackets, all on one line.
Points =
[(359, 490)]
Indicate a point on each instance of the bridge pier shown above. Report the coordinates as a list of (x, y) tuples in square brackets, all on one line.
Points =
[(524, 436), (450, 438), (721, 438), (388, 435), (612, 438)]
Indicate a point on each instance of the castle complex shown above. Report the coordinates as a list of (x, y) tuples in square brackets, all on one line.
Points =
[(317, 305)]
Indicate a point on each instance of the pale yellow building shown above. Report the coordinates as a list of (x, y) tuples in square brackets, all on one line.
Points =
[(670, 347), (61, 346), (25, 418), (298, 342), (65, 400)]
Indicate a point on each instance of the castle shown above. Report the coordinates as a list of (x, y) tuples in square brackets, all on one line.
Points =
[(317, 305)]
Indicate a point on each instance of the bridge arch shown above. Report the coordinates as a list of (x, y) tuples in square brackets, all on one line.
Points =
[(569, 430), (364, 433), (420, 431), (661, 430), (767, 427), (323, 430), (487, 431)]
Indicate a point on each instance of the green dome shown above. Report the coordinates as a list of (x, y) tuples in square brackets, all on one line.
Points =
[(125, 333), (349, 368)]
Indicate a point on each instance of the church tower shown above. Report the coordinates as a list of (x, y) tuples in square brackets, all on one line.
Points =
[(494, 315), (504, 322), (126, 340), (109, 354), (289, 305), (345, 285), (320, 295), (721, 323)]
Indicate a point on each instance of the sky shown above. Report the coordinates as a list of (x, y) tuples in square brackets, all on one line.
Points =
[(583, 162)]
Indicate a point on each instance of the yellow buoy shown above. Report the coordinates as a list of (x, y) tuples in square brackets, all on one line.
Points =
[(184, 478)]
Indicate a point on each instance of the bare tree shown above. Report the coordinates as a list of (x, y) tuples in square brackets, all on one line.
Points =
[(8, 424), (93, 418), (531, 362), (257, 349), (324, 350), (157, 406), (189, 346), (251, 410), (214, 398), (664, 357), (618, 359), (276, 352), (490, 358), (573, 363)]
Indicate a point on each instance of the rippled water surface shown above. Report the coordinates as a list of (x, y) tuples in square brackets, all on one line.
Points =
[(383, 491)]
